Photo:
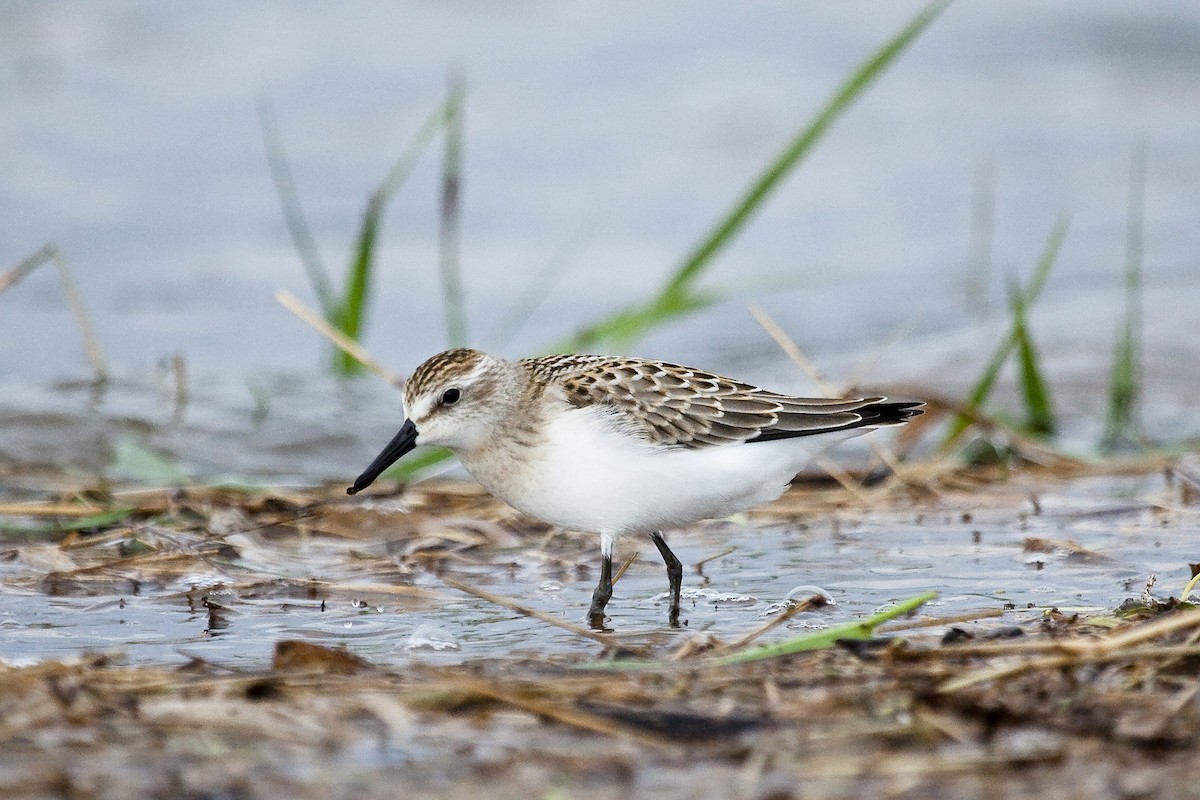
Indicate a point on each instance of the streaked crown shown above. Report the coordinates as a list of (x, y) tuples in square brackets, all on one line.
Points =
[(459, 397)]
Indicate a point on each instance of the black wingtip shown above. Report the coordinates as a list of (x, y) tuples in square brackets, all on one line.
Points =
[(875, 415), (892, 413)]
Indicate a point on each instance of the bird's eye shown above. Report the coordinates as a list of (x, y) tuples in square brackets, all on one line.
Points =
[(451, 396)]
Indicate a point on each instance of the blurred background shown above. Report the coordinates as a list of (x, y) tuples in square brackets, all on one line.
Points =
[(600, 144)]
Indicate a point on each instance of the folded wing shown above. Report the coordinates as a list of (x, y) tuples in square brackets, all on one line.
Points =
[(677, 405)]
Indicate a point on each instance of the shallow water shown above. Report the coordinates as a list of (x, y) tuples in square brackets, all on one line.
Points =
[(1126, 530)]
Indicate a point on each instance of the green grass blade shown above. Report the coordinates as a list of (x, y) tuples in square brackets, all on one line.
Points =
[(448, 229), (135, 461), (991, 371), (799, 147), (628, 325), (677, 296), (293, 215), (102, 519), (412, 466), (417, 463), (1039, 412), (350, 313), (422, 139), (818, 640), (1125, 387), (1122, 391)]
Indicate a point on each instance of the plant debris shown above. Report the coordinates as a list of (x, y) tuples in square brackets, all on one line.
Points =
[(1098, 704)]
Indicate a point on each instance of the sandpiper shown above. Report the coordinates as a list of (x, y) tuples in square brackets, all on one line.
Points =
[(614, 445)]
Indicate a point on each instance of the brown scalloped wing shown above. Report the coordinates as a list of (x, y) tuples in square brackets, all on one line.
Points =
[(678, 405)]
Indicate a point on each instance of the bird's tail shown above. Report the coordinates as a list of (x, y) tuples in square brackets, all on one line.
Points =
[(881, 414)]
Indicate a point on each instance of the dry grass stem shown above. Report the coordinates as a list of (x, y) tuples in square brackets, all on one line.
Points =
[(394, 590), (793, 352), (709, 559), (568, 716), (780, 337), (628, 563), (13, 275), (91, 342), (804, 605), (513, 605), (340, 340), (937, 622)]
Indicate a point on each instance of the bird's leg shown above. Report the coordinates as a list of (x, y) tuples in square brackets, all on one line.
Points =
[(603, 592), (674, 576)]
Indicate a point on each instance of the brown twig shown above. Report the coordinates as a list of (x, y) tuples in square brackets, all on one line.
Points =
[(1071, 652), (804, 605), (789, 347), (50, 252), (905, 625), (584, 720), (709, 559), (10, 277), (90, 341), (340, 340), (628, 563), (513, 605)]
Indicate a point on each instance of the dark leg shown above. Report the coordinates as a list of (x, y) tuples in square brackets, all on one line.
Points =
[(674, 576), (602, 595)]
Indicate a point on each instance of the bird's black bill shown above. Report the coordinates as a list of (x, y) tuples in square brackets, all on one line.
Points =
[(401, 443)]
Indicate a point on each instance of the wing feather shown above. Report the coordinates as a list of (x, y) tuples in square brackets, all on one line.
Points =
[(676, 405)]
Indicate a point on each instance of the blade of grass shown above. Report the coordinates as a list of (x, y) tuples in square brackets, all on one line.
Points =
[(351, 311), (541, 616), (1039, 413), (415, 464), (854, 631), (1125, 386), (817, 640), (137, 462), (678, 295), (293, 214), (448, 229), (100, 520), (26, 265), (627, 326), (987, 379), (91, 342), (799, 147), (337, 338)]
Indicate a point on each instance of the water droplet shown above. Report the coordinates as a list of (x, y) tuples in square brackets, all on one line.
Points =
[(802, 593)]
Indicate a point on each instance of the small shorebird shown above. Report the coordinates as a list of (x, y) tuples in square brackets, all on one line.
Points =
[(614, 445)]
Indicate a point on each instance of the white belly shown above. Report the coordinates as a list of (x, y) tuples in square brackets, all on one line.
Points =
[(587, 476)]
